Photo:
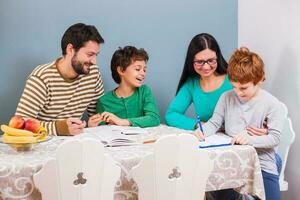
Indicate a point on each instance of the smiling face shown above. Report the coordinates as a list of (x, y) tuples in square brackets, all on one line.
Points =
[(134, 75), (246, 91), (205, 63), (85, 57)]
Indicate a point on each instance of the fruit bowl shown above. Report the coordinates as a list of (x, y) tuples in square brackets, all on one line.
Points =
[(25, 146)]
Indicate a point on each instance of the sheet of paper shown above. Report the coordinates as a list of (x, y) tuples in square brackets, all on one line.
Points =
[(216, 140)]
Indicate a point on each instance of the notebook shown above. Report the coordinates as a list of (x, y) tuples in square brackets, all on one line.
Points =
[(216, 140)]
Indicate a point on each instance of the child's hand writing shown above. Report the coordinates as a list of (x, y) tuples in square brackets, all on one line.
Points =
[(94, 120), (199, 134)]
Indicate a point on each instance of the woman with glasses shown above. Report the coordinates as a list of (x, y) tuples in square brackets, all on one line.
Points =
[(202, 82)]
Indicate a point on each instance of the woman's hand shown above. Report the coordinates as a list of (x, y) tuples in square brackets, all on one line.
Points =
[(113, 119), (199, 135), (240, 139), (94, 120)]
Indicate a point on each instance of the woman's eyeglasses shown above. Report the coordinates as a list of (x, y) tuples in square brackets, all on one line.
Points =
[(201, 63)]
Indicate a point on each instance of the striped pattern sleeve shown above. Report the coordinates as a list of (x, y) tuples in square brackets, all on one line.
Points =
[(33, 98), (51, 99), (99, 91)]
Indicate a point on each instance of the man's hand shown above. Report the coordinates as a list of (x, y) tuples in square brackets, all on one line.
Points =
[(199, 134), (113, 119), (240, 139), (94, 120), (75, 126)]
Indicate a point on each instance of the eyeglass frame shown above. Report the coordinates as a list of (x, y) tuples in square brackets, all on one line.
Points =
[(208, 61)]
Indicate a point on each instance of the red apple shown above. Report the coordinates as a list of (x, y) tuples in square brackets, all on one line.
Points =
[(16, 122), (32, 125)]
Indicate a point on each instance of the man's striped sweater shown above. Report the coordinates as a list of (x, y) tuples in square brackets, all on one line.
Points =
[(51, 99)]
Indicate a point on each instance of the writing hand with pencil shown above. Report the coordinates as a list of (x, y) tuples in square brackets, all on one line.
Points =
[(199, 130), (199, 134), (75, 126)]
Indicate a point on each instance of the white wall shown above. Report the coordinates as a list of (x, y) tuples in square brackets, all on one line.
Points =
[(272, 29)]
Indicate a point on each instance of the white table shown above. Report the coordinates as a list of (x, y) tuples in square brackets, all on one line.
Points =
[(234, 167)]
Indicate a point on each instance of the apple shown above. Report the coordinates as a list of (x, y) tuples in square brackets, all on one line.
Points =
[(17, 122), (32, 125)]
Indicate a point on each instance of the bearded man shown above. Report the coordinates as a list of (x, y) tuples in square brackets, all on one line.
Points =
[(58, 93)]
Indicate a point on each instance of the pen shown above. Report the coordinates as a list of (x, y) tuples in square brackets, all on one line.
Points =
[(215, 145), (199, 123)]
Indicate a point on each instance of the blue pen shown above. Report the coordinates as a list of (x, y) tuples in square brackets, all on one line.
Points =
[(199, 124), (215, 145)]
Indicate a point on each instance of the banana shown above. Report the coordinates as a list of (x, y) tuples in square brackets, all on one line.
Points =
[(6, 138), (16, 132), (41, 131), (41, 137)]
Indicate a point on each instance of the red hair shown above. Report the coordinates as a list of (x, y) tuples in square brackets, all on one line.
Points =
[(245, 66)]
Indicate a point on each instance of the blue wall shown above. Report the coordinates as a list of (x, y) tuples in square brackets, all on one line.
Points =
[(31, 31)]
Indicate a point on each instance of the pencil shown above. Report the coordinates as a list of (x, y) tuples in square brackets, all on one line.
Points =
[(149, 141)]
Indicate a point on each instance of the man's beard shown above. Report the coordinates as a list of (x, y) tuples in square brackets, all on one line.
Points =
[(78, 66)]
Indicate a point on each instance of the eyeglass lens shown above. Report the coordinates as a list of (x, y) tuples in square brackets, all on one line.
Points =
[(211, 61)]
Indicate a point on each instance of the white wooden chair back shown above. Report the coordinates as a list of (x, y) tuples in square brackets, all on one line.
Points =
[(287, 138), (80, 171), (176, 170)]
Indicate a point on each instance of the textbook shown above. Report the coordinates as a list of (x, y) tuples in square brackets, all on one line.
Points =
[(216, 140)]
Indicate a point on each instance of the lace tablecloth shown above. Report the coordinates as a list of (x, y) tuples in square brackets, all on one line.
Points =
[(234, 167)]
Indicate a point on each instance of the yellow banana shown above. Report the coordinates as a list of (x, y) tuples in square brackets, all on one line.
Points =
[(41, 131), (15, 132), (18, 139), (41, 137)]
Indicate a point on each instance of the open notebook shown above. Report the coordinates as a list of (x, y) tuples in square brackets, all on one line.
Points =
[(112, 136), (216, 140)]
